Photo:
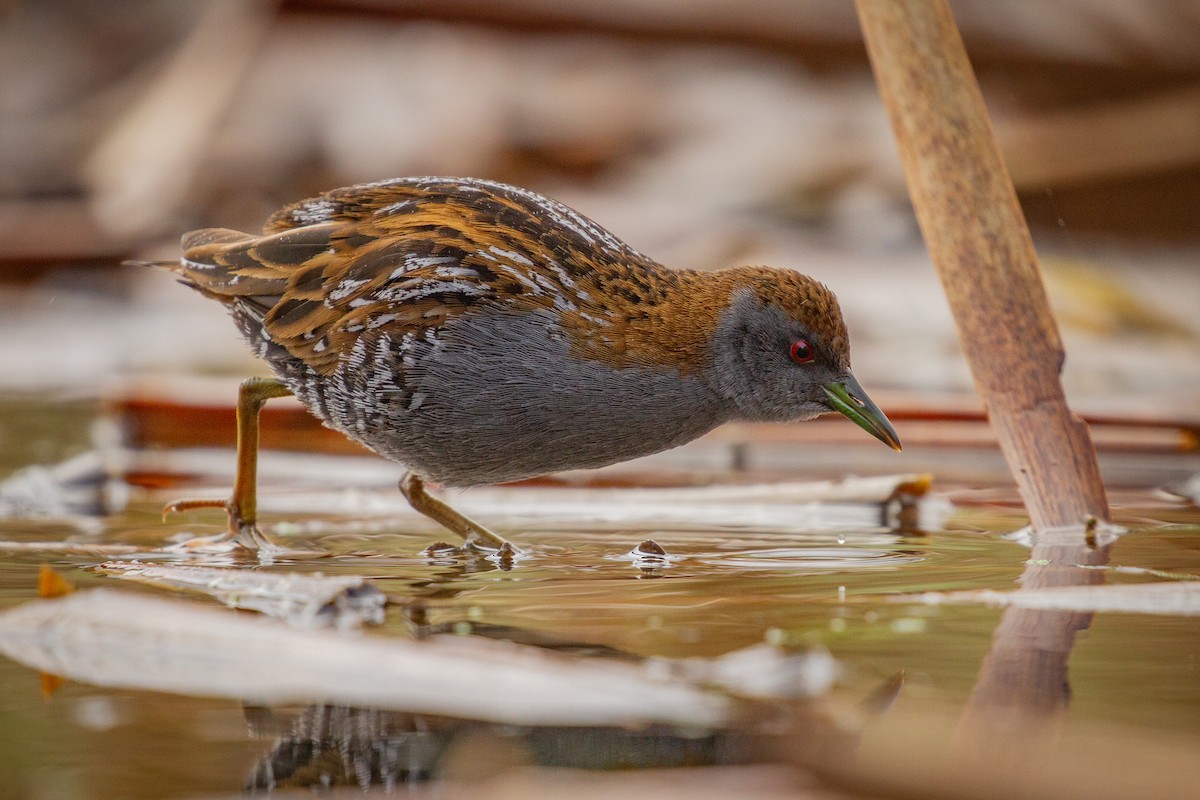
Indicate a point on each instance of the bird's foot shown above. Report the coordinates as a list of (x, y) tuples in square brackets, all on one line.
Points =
[(241, 536), (476, 538), (504, 556), (218, 544), (444, 554), (227, 541)]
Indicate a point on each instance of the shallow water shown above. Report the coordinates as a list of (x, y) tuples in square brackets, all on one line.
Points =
[(582, 591)]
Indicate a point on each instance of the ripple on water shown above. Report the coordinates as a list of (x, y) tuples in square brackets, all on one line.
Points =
[(797, 559)]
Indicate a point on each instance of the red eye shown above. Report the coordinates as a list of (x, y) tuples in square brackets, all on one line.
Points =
[(802, 352)]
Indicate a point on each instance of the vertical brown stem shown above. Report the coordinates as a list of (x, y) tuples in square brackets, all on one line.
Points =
[(252, 394), (980, 244)]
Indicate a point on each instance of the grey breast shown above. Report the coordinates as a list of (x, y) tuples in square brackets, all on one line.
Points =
[(497, 396)]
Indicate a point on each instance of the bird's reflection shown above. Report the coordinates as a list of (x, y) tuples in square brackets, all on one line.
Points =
[(325, 746), (336, 746), (330, 746)]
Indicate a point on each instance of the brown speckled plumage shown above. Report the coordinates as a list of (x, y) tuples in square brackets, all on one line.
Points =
[(326, 270), (479, 332)]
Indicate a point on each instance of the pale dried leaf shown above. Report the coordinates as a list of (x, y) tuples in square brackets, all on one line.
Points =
[(71, 548), (117, 639), (341, 601), (1181, 598)]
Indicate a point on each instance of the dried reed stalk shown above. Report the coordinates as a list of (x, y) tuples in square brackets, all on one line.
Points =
[(980, 244)]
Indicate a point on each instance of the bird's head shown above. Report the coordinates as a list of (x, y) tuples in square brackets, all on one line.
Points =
[(780, 353)]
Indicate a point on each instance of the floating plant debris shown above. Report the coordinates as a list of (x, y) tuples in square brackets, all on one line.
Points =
[(1180, 598), (303, 600), (119, 639)]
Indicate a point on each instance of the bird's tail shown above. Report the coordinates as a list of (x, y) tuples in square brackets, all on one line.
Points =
[(196, 245), (222, 264), (165, 266)]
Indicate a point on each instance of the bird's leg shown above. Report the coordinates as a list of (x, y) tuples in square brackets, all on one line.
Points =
[(474, 534), (242, 506)]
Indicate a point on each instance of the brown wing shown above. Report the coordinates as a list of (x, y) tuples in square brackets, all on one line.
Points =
[(408, 254)]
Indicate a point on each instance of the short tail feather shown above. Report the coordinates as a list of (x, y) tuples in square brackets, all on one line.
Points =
[(209, 236), (205, 236), (221, 264), (167, 266)]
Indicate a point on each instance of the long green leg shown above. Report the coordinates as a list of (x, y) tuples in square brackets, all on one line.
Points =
[(242, 506), (474, 534)]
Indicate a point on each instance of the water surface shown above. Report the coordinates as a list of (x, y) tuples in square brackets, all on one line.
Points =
[(581, 591)]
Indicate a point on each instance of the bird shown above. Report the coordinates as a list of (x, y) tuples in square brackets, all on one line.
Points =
[(480, 333)]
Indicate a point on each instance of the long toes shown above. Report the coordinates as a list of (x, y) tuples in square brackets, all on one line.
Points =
[(179, 506), (251, 538), (204, 545), (504, 551)]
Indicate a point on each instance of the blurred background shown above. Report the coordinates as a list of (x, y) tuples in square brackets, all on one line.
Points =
[(704, 133)]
